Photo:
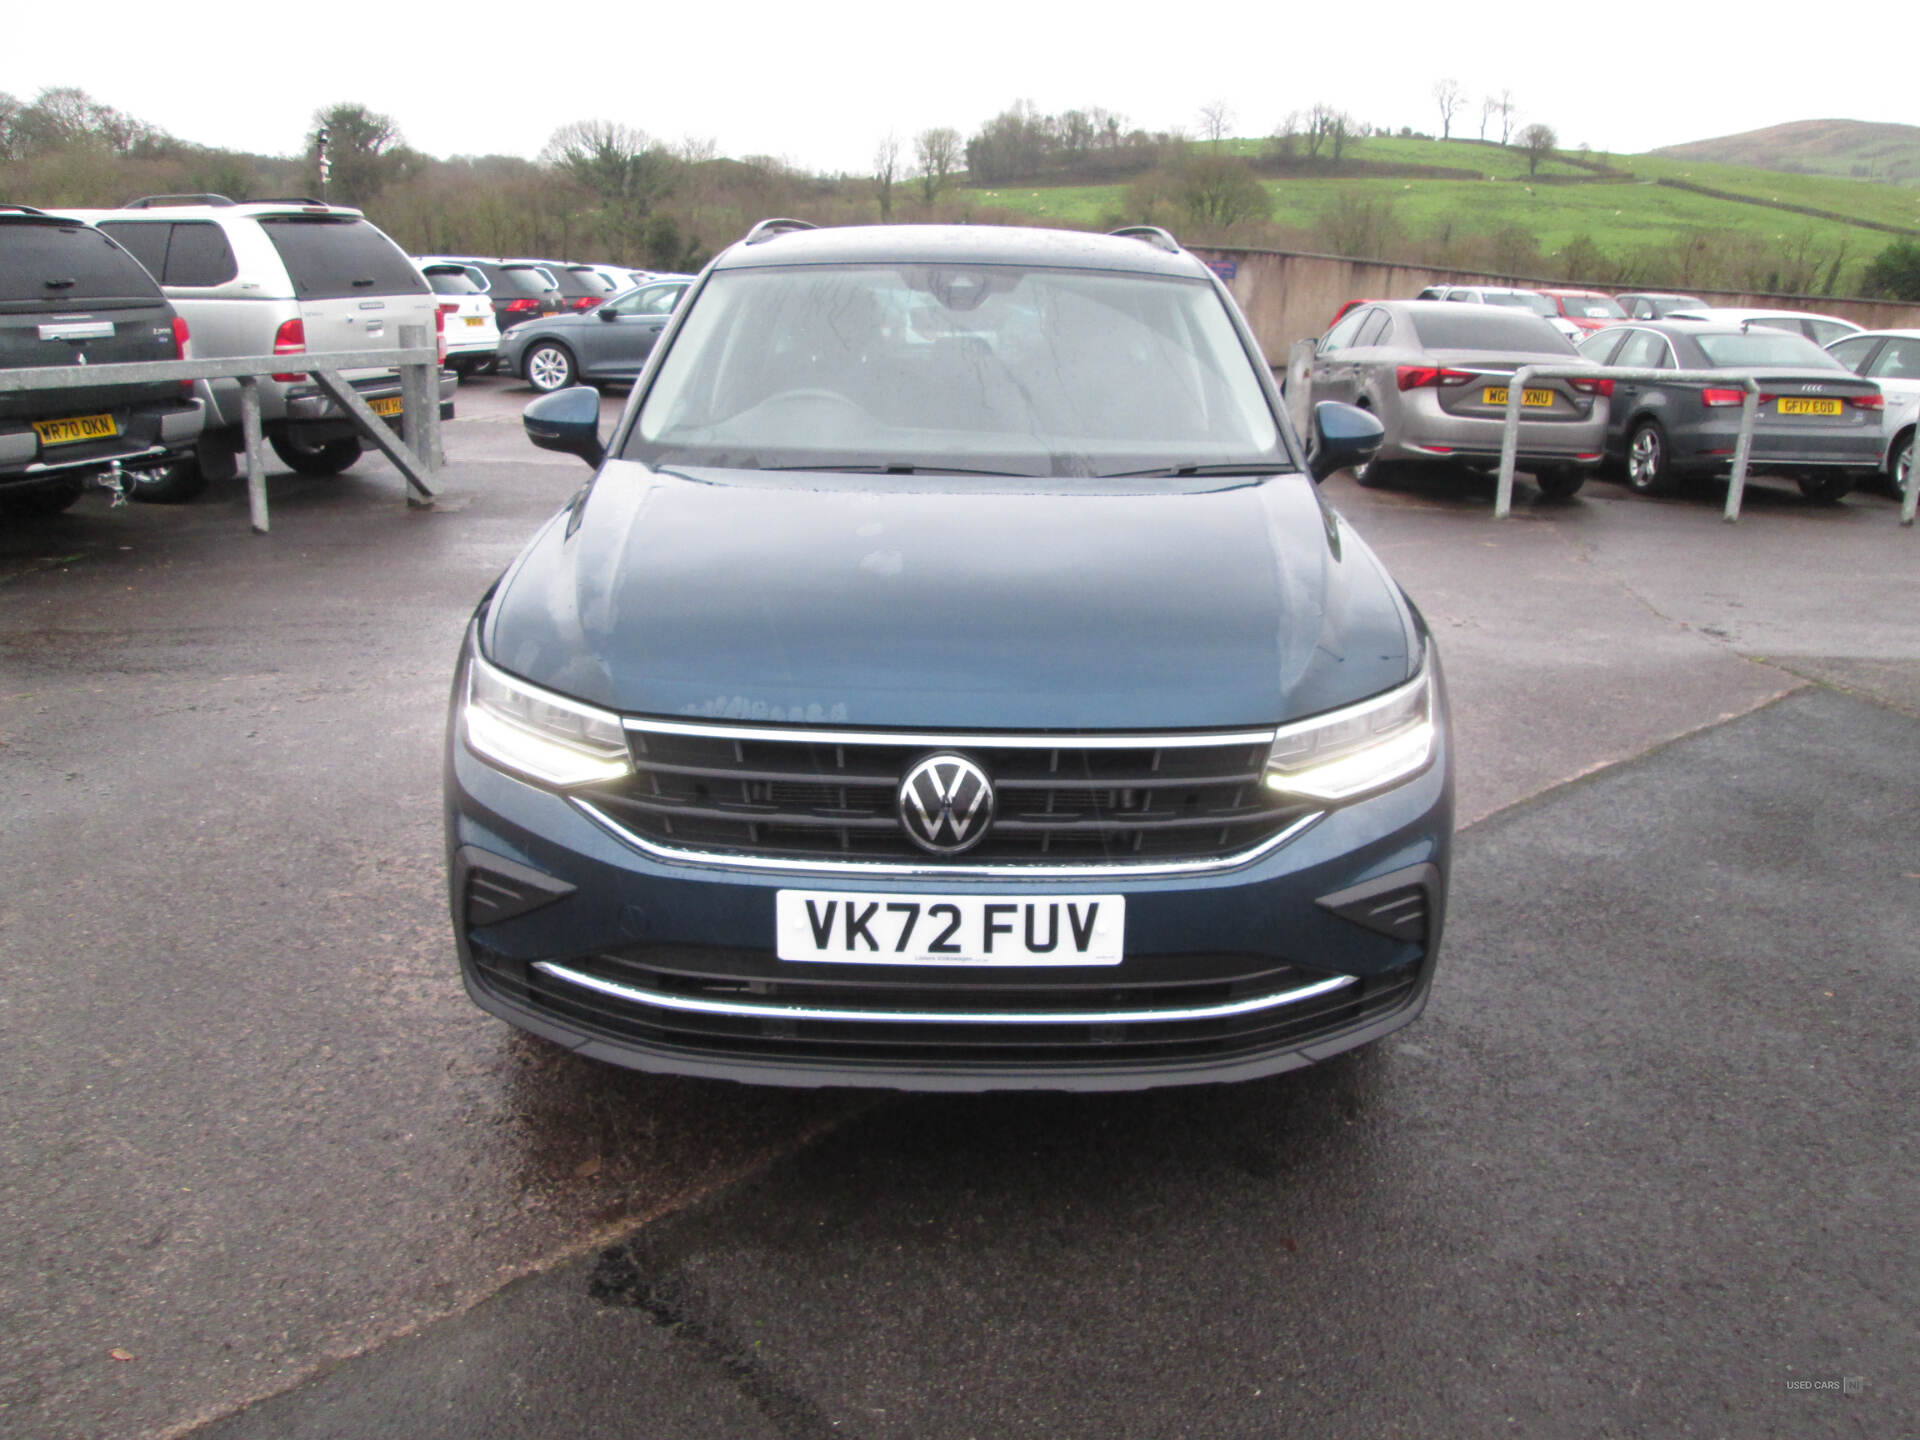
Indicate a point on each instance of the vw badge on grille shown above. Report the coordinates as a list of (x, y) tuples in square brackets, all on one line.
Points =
[(946, 804)]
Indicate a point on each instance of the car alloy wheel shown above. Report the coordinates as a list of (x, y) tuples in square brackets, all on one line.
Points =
[(549, 368), (1647, 461), (1900, 472)]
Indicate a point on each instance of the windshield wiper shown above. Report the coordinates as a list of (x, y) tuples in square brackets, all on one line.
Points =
[(906, 470), (1235, 467)]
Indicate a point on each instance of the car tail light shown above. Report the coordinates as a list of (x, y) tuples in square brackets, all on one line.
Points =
[(290, 339), (1418, 377), (523, 305), (1712, 396), (440, 333), (1592, 387), (1875, 401), (586, 302), (181, 335)]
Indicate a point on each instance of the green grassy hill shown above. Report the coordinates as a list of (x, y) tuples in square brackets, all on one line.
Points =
[(1628, 215), (1856, 149)]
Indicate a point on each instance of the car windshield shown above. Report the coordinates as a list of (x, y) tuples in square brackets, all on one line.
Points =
[(1669, 304), (1537, 304), (1593, 307), (451, 282), (999, 369), (1765, 347)]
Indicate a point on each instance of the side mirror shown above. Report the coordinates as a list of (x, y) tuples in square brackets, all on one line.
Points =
[(604, 313), (568, 421), (1343, 435)]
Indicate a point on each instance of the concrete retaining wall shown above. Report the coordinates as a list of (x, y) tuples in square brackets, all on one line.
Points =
[(1289, 296)]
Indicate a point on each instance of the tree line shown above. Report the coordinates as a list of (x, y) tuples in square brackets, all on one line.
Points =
[(604, 191)]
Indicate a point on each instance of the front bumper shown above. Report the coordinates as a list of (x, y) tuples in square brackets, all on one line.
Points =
[(573, 933)]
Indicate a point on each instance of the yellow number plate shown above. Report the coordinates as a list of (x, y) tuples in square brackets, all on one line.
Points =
[(475, 320), (1538, 399), (79, 427), (1790, 406), (388, 407)]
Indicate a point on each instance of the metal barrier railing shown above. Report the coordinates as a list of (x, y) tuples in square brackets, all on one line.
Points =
[(418, 454), (1743, 445)]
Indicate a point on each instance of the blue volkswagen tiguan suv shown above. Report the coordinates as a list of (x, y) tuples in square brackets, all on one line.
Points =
[(951, 678)]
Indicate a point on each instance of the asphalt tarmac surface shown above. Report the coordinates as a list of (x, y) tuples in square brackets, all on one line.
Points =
[(1644, 1168)]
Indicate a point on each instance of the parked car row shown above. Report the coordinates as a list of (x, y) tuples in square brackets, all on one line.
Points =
[(193, 276), (534, 326), (1828, 417)]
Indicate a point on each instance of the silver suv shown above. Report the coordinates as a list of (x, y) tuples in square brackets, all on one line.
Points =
[(277, 277)]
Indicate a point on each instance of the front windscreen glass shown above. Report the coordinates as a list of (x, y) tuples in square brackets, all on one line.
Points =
[(1535, 304), (1765, 347), (1005, 370)]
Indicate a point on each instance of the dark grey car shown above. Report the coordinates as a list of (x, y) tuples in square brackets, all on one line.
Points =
[(1815, 420), (609, 342), (71, 296), (1436, 375)]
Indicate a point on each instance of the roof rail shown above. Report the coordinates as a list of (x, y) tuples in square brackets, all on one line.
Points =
[(152, 202), (1151, 234), (23, 209), (288, 200), (767, 229)]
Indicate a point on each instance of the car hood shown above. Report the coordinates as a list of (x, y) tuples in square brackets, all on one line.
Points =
[(887, 602)]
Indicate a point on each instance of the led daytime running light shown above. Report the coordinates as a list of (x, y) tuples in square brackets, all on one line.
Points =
[(538, 734), (1359, 750)]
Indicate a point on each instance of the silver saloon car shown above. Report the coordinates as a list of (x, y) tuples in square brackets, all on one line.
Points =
[(1436, 375)]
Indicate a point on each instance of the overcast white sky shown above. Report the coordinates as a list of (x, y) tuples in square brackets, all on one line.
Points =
[(820, 84)]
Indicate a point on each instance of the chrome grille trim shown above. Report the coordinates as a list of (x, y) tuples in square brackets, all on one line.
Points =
[(815, 865), (748, 1010), (1109, 740)]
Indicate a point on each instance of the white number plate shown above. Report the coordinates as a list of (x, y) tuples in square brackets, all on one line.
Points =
[(842, 929)]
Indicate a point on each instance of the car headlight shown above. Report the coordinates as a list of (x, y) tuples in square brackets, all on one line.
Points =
[(536, 733), (1359, 750)]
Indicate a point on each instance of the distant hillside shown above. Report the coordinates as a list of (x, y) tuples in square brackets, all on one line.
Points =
[(1856, 148)]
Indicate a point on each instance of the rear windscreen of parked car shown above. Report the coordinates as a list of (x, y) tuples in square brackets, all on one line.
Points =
[(1489, 329), (1594, 307), (522, 280), (452, 282), (333, 259), (1538, 304), (1769, 347), (586, 282), (64, 267)]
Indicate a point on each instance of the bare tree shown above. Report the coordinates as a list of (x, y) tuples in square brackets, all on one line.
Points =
[(1508, 113), (697, 149), (1326, 128), (1489, 107), (1215, 120), (886, 165), (937, 154), (1538, 140), (626, 169), (1448, 95)]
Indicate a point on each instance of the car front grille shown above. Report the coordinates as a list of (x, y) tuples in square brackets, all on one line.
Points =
[(813, 796), (952, 1024)]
